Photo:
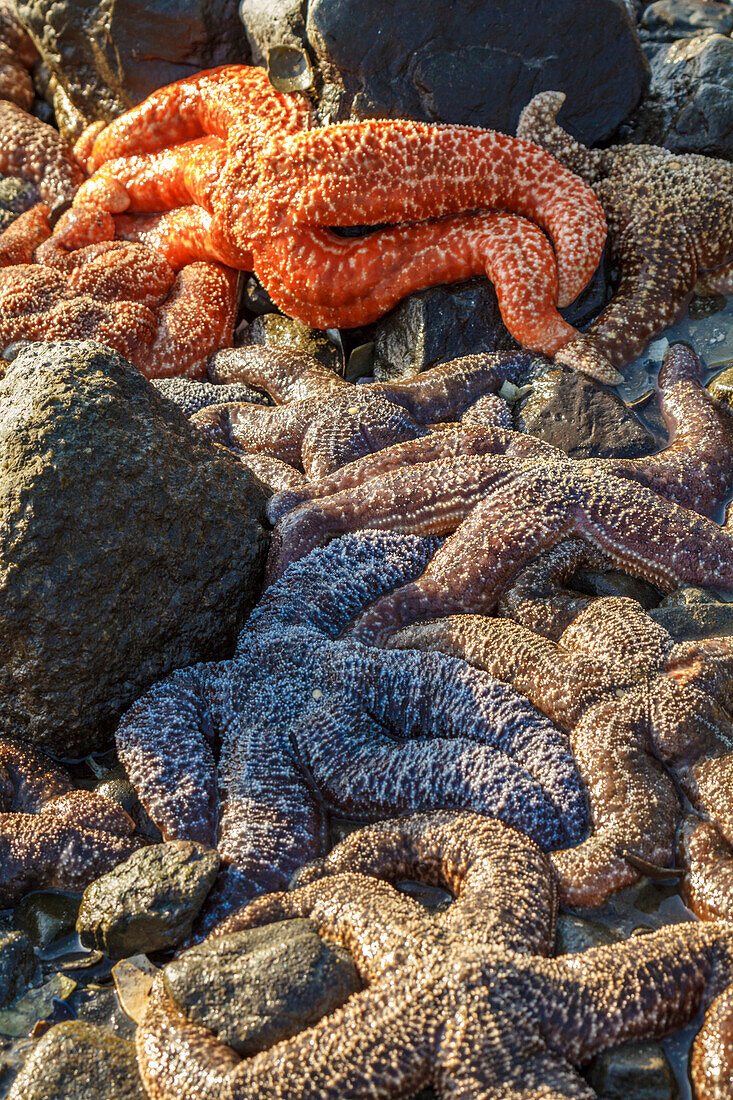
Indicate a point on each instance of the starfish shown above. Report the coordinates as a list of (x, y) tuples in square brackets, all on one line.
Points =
[(52, 835), (36, 152), (322, 422), (306, 722), (502, 510), (17, 57), (124, 295), (465, 1000), (630, 699), (670, 219), (221, 166)]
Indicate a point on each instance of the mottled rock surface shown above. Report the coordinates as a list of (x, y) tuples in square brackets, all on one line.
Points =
[(256, 987), (150, 901), (17, 965), (479, 63), (79, 1061), (129, 544), (640, 1070)]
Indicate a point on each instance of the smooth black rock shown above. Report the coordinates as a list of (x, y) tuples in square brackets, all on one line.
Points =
[(79, 1061), (256, 987), (479, 64), (107, 57), (150, 901), (576, 414), (640, 1070), (129, 544)]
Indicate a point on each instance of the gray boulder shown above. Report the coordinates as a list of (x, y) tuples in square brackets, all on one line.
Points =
[(479, 63), (129, 544)]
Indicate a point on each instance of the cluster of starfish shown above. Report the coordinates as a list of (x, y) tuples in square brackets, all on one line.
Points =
[(305, 721), (467, 1000)]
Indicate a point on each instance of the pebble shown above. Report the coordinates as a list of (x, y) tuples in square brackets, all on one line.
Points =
[(150, 901), (638, 1070), (256, 987), (78, 1061), (18, 966)]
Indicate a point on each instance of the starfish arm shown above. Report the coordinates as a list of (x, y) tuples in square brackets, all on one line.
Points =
[(37, 153), (647, 986), (442, 445), (488, 411), (348, 426), (446, 391), (539, 1076), (719, 280), (257, 429), (278, 476), (617, 632), (182, 236), (196, 318), (656, 283), (283, 373), (163, 744), (634, 804), (24, 234), (211, 102), (28, 778), (532, 664), (441, 170), (712, 1052), (707, 885), (432, 505)]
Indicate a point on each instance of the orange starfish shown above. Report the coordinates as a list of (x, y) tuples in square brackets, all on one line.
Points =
[(220, 166)]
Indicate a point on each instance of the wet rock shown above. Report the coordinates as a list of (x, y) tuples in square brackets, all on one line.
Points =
[(668, 21), (99, 1005), (108, 57), (579, 416), (722, 386), (36, 1006), (129, 544), (124, 794), (150, 901), (275, 330), (479, 69), (77, 1061), (16, 196), (701, 619), (640, 1070), (47, 915), (190, 396), (614, 583), (689, 596), (574, 934), (256, 987), (18, 966)]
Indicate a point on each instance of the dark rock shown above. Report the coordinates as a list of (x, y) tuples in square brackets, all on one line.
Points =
[(99, 1005), (129, 544), (668, 21), (689, 596), (16, 196), (47, 915), (479, 67), (640, 1070), (614, 583), (122, 792), (573, 934), (277, 331), (108, 57), (18, 966), (722, 386), (256, 987), (150, 901), (579, 416), (696, 620), (77, 1061), (689, 108)]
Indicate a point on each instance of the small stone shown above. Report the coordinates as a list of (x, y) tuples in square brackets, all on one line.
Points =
[(47, 915), (150, 901), (37, 1004), (722, 386), (614, 583), (18, 966), (79, 1061), (640, 1070), (576, 414), (689, 596), (574, 935), (276, 331), (124, 794), (133, 980), (696, 620), (257, 987)]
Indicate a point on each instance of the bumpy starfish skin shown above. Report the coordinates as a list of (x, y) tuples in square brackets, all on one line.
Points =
[(670, 219), (86, 286), (51, 835), (707, 885), (17, 57), (504, 510), (36, 152), (630, 699), (224, 167), (466, 1000), (321, 422), (374, 733)]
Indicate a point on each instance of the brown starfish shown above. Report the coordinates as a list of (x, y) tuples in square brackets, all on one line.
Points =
[(36, 152), (52, 835), (670, 220), (505, 510), (321, 422), (631, 701), (17, 57), (465, 1000)]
